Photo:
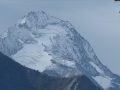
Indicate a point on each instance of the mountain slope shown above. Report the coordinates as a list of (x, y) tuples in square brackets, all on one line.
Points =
[(14, 76), (53, 46)]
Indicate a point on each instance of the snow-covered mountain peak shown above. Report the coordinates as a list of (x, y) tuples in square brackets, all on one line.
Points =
[(53, 46), (36, 18), (40, 19), (42, 13)]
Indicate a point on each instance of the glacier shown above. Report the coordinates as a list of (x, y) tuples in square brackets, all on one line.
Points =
[(53, 46)]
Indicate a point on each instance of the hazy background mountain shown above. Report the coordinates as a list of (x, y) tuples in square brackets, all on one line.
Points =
[(98, 21)]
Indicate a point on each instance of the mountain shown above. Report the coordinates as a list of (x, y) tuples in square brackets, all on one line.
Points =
[(53, 46), (14, 76)]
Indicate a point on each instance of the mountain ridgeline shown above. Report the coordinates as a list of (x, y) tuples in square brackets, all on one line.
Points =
[(53, 46), (14, 76)]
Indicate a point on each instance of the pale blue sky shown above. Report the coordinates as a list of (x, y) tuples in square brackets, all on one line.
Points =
[(98, 21)]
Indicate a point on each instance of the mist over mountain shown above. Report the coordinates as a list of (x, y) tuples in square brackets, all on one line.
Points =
[(53, 46)]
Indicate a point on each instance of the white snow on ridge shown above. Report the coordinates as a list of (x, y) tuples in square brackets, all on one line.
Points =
[(97, 68), (116, 83), (23, 21), (66, 63), (4, 34), (105, 82), (89, 50), (56, 28), (33, 56), (20, 41)]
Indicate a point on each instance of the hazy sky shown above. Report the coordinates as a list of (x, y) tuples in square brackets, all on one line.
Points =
[(98, 21)]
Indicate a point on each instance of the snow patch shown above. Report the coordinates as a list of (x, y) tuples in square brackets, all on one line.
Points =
[(89, 50), (57, 28), (33, 56), (23, 21), (66, 63), (20, 41), (105, 82), (4, 34), (97, 68), (116, 83)]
